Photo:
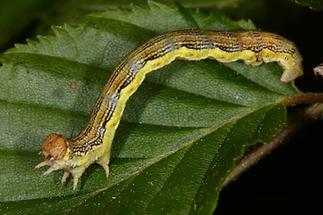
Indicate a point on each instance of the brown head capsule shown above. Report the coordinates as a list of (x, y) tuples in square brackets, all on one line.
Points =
[(54, 147)]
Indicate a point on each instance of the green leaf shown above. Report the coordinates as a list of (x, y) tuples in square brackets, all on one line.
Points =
[(181, 133)]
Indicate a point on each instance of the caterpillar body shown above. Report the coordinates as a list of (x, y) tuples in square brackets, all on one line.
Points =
[(93, 144)]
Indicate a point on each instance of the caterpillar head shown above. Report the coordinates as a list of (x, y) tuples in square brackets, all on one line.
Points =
[(56, 154), (54, 147)]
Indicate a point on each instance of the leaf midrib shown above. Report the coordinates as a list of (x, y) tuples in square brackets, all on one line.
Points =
[(159, 158), (209, 130)]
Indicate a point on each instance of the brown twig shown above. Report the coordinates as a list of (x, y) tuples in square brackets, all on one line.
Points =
[(304, 98)]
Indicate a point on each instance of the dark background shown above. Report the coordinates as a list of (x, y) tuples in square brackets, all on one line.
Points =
[(288, 181)]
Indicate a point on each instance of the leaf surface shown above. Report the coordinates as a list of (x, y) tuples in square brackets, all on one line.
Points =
[(181, 133)]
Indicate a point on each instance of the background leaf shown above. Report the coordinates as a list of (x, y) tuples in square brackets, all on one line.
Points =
[(181, 133), (313, 4), (26, 19)]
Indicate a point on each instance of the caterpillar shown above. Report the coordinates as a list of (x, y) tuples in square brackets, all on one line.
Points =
[(93, 143)]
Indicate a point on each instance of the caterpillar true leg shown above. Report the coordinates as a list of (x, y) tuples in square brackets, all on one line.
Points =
[(65, 176)]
